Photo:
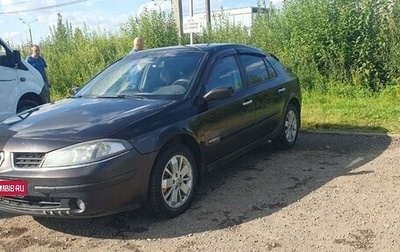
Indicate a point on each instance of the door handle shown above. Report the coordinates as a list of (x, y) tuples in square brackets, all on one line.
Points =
[(22, 79), (281, 90), (246, 103)]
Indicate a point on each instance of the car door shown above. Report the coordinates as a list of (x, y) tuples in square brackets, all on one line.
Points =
[(267, 93), (9, 88), (226, 124)]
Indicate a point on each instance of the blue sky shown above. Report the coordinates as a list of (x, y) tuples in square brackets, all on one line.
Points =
[(98, 15)]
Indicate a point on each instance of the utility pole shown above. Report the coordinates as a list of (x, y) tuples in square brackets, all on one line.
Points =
[(208, 14), (191, 15), (29, 26), (177, 10)]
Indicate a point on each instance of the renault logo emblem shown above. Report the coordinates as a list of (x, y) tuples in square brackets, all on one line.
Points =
[(1, 157)]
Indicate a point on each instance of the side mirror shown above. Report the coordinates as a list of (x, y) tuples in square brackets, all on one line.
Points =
[(219, 94), (17, 58)]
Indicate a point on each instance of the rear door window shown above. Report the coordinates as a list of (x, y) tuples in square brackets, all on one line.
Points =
[(255, 68)]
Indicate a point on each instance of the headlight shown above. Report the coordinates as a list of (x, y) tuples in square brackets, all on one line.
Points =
[(86, 152)]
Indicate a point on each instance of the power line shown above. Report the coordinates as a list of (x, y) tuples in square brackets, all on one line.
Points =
[(18, 3), (45, 7)]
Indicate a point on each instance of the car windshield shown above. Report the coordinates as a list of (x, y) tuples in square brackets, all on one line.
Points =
[(156, 75)]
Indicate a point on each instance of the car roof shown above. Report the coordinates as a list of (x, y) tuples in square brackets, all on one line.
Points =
[(210, 48)]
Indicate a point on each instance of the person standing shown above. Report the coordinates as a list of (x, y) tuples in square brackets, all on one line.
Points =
[(138, 45), (38, 62)]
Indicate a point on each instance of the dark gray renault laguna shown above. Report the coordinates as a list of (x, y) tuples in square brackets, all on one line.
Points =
[(144, 131)]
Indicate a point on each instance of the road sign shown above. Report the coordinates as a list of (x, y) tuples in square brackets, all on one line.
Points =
[(192, 25)]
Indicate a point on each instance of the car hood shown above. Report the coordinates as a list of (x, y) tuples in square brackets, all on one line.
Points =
[(79, 119)]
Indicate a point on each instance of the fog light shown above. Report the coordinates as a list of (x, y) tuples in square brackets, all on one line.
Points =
[(81, 205)]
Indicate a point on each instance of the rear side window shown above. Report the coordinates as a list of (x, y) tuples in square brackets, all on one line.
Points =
[(256, 69), (271, 71)]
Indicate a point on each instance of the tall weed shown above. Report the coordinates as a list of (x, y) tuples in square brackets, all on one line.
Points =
[(353, 44)]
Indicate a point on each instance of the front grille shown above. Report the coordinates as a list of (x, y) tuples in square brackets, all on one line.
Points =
[(28, 160), (28, 202), (39, 206)]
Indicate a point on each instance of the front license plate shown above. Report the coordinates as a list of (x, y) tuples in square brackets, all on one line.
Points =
[(13, 187)]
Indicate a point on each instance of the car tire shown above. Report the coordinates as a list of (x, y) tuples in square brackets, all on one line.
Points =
[(172, 182), (290, 129), (25, 105)]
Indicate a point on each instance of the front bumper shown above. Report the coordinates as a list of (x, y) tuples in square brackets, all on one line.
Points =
[(108, 187)]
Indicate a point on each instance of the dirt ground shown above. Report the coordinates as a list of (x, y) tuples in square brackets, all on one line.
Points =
[(332, 192)]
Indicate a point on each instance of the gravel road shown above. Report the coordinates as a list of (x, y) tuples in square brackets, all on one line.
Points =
[(331, 192)]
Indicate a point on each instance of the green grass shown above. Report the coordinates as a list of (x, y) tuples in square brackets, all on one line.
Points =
[(356, 110)]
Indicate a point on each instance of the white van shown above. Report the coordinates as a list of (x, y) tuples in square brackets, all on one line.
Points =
[(21, 85)]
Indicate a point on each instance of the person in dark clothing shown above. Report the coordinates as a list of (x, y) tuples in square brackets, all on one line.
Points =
[(38, 62)]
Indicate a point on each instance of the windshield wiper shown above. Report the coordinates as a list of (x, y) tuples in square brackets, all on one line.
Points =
[(133, 96), (82, 96), (121, 96)]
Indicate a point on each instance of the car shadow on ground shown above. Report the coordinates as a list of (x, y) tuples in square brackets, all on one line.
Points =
[(256, 185)]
